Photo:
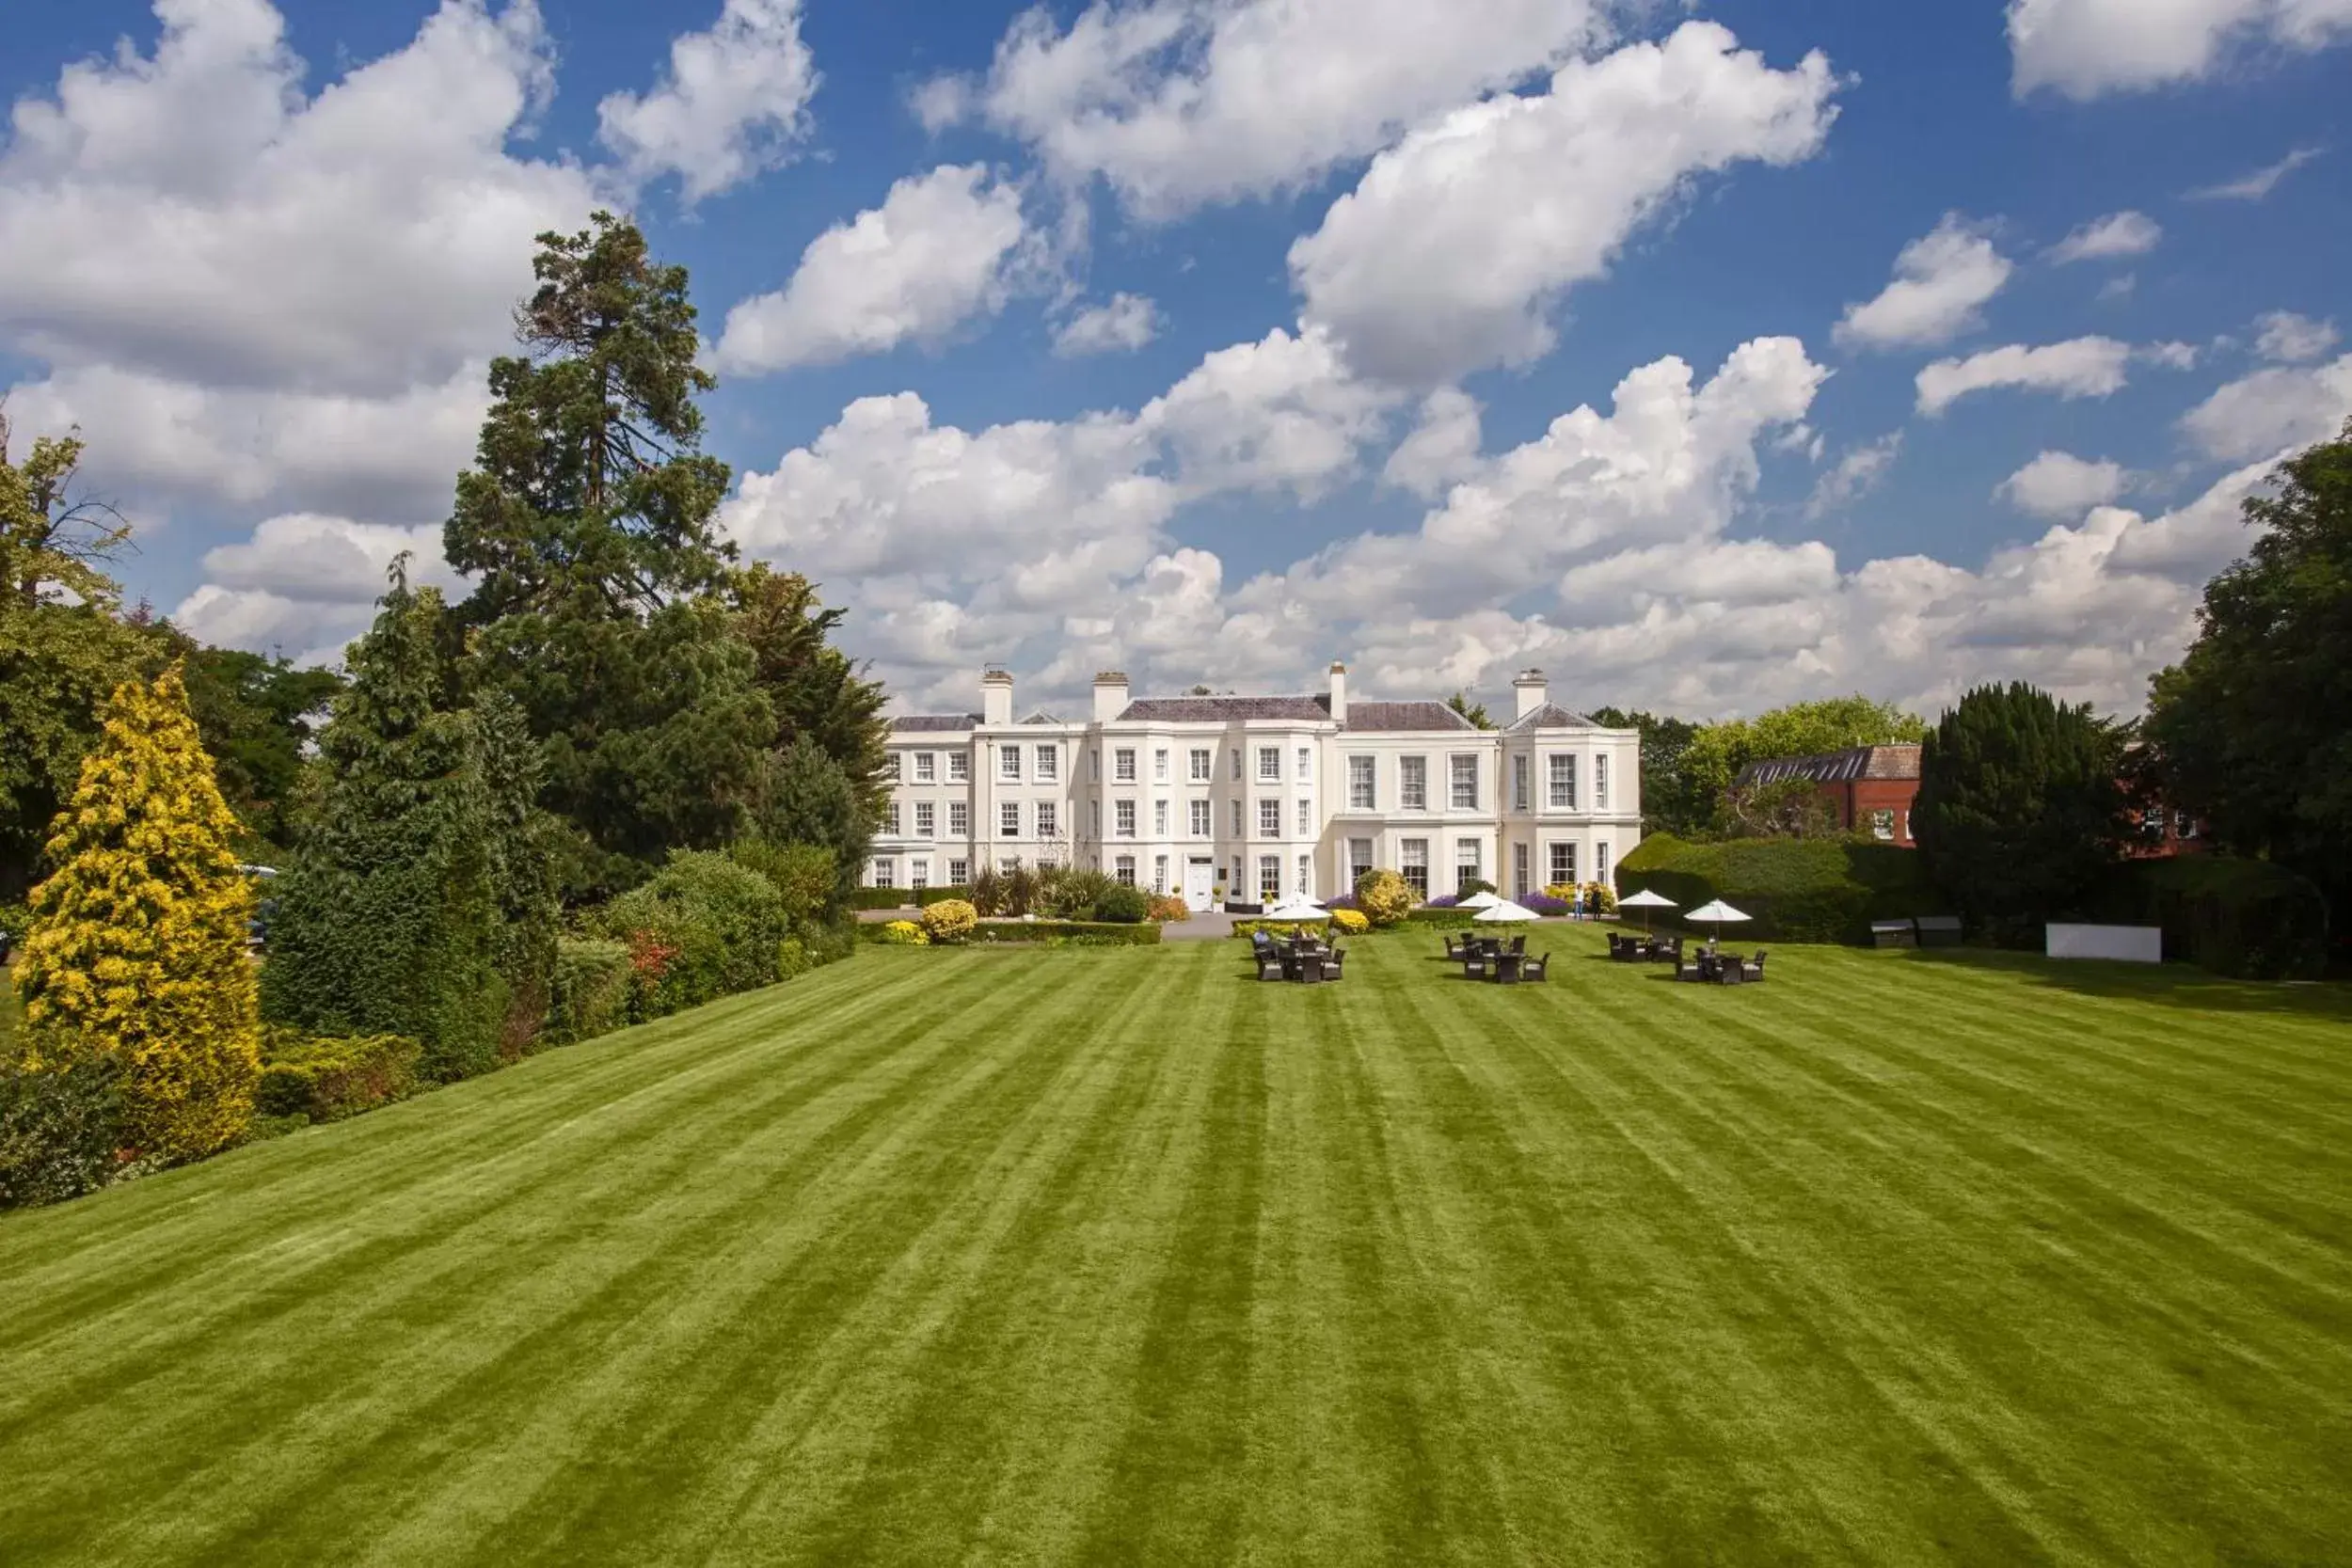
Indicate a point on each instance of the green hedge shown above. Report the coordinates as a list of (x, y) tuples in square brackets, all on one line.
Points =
[(702, 929), (1072, 934), (2247, 919), (1444, 918), (590, 994), (326, 1078), (1792, 889), (930, 896), (881, 898)]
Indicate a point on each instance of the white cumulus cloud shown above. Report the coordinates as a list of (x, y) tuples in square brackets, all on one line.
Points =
[(2058, 484), (1182, 103), (2272, 411), (1941, 280), (1854, 475), (2078, 367), (733, 103), (2293, 340), (2124, 233), (1119, 324), (943, 248), (1454, 249), (2087, 48)]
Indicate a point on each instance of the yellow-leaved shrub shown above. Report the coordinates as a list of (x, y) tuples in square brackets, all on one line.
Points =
[(136, 950), (1384, 897), (1351, 921), (950, 920)]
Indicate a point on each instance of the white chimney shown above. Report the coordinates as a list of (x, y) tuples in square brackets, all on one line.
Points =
[(997, 697), (1532, 689), (1339, 694), (1110, 696)]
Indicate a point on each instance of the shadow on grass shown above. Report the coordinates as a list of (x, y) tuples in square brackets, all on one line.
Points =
[(2172, 984)]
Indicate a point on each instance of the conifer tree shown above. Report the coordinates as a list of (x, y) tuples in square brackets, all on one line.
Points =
[(417, 900), (137, 953), (2019, 808)]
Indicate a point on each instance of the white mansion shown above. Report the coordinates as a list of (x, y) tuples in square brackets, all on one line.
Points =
[(1264, 796)]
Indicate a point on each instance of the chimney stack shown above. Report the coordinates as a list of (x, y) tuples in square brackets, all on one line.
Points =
[(1339, 694), (1533, 691), (1110, 696), (997, 696)]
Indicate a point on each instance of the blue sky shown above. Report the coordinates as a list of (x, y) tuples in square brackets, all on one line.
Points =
[(258, 255)]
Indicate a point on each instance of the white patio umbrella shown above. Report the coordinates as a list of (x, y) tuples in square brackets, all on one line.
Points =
[(1297, 908), (1645, 901), (1717, 914), (1479, 902), (1503, 911)]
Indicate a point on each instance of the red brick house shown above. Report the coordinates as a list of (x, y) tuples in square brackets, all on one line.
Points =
[(1869, 787), (1872, 787)]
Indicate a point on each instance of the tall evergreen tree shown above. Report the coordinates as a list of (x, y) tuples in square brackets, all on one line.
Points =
[(417, 900), (818, 692), (2252, 731), (138, 950), (810, 798), (2019, 809), (588, 522)]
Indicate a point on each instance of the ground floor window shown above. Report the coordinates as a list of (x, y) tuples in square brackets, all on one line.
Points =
[(1159, 873), (920, 876), (1010, 865), (1412, 856), (959, 872), (1465, 862), (1270, 879), (1236, 884), (1358, 861), (1519, 858), (1600, 861), (1124, 869), (1883, 825), (1306, 875), (1562, 860), (886, 873)]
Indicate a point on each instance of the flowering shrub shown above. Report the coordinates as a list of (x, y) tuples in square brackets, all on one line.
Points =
[(1543, 903), (950, 920), (1600, 894), (1444, 901), (1383, 896), (1351, 921), (1565, 892), (903, 933), (1168, 907)]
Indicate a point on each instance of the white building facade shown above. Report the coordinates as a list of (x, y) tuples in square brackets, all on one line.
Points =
[(1255, 799)]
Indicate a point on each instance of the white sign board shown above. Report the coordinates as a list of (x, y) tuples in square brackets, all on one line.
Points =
[(2142, 945)]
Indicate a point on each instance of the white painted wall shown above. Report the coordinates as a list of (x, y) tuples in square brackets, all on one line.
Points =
[(2131, 943)]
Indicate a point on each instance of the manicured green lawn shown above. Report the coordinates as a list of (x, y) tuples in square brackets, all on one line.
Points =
[(1110, 1256)]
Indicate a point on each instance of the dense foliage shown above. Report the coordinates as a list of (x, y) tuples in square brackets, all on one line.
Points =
[(329, 1078), (2252, 731), (1122, 905), (1793, 890), (60, 1130), (718, 924), (949, 921), (2251, 920), (1384, 897), (137, 954), (2019, 810), (419, 900)]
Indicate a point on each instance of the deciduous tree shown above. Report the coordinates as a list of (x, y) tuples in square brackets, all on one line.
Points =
[(2252, 731)]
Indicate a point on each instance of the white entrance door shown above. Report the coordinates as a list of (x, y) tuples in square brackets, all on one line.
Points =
[(1199, 884)]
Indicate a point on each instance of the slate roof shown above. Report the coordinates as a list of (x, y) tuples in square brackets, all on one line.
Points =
[(1861, 762), (935, 721), (1551, 716), (1226, 710), (1389, 717)]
